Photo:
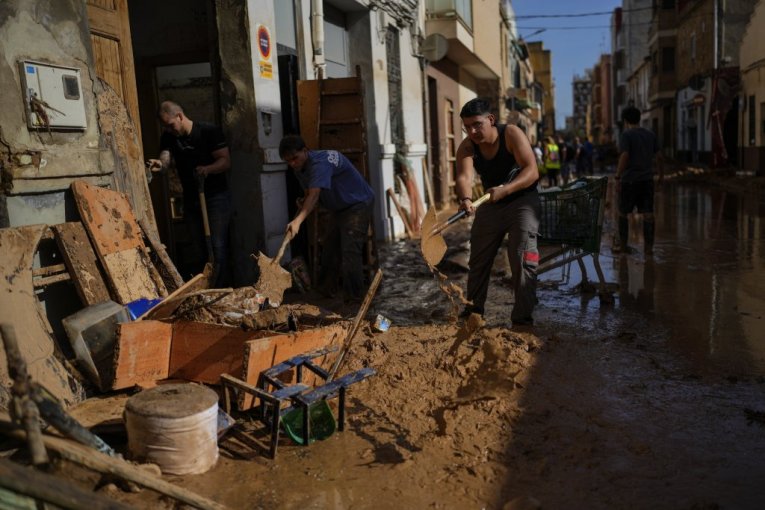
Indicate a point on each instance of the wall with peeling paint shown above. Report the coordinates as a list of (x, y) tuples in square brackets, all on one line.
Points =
[(37, 165)]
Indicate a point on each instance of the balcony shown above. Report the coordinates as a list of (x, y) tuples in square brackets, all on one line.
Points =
[(454, 20), (450, 9)]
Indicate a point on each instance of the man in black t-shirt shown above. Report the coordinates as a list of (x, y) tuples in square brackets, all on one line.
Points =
[(198, 149), (634, 177)]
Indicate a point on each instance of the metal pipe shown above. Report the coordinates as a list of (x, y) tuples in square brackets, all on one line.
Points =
[(317, 37)]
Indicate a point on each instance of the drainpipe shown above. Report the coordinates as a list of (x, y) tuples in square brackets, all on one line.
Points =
[(317, 37), (716, 41)]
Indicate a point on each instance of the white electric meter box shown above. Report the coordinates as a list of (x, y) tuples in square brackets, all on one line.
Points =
[(53, 96)]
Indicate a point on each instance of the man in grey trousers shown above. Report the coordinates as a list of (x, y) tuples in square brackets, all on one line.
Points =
[(493, 150)]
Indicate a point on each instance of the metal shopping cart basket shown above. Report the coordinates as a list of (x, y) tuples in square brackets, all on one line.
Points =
[(571, 225)]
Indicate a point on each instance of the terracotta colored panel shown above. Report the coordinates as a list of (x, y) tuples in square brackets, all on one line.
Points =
[(81, 262), (263, 353), (142, 353), (202, 352), (308, 108), (107, 217)]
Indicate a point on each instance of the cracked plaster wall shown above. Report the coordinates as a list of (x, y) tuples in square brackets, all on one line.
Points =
[(37, 166)]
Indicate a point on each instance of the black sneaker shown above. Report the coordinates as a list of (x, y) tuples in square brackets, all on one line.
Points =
[(526, 321), (469, 310)]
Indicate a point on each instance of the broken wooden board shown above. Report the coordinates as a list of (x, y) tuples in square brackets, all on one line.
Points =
[(20, 308), (263, 353), (130, 273), (118, 242), (142, 353), (80, 260), (165, 266), (201, 352), (167, 307)]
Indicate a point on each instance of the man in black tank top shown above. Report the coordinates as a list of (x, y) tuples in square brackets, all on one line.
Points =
[(513, 209)]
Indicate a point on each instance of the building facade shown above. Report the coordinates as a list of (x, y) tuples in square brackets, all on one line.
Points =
[(662, 42), (582, 98), (541, 62), (752, 62)]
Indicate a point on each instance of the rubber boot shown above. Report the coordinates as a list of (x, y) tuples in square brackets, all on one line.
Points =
[(624, 231), (649, 228)]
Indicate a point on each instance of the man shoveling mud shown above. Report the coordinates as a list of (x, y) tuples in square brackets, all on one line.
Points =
[(513, 209), (330, 178)]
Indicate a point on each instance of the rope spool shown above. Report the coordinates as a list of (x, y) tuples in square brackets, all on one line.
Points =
[(175, 427)]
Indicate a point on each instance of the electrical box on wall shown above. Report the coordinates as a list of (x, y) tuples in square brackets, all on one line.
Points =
[(53, 96)]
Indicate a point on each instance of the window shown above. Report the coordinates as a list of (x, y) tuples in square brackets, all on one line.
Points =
[(668, 60), (667, 4)]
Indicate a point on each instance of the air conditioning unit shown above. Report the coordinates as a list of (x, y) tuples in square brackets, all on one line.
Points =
[(53, 96)]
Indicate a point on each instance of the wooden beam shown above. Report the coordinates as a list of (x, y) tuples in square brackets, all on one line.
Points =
[(102, 463), (51, 489)]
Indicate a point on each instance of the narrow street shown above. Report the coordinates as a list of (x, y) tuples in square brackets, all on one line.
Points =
[(654, 401)]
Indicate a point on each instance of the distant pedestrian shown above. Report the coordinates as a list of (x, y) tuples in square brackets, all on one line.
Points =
[(566, 158), (552, 161), (634, 177), (588, 149), (539, 154)]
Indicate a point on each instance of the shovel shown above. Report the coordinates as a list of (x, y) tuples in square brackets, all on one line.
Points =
[(205, 220), (432, 243), (274, 279)]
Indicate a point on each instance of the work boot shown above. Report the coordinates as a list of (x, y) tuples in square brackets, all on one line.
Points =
[(469, 310), (649, 229)]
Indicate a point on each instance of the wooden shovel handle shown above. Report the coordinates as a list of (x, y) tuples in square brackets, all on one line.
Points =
[(280, 253), (440, 228)]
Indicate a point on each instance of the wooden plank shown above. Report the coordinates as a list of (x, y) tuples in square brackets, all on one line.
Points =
[(107, 217), (80, 260), (263, 353), (20, 307), (117, 239), (50, 280), (308, 108), (49, 270), (130, 275), (142, 353), (165, 266), (202, 352), (51, 489), (167, 307)]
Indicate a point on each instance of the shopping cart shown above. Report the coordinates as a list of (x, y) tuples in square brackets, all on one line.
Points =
[(570, 228)]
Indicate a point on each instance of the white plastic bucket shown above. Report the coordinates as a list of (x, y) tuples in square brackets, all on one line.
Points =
[(174, 426)]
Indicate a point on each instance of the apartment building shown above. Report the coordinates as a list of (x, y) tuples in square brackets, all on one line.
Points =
[(709, 36), (582, 98), (662, 43), (752, 62), (541, 62)]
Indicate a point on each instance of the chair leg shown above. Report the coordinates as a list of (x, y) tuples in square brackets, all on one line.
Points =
[(306, 425), (274, 433), (341, 410)]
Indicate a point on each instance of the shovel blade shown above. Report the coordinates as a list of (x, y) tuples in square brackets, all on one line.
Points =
[(273, 280), (433, 246)]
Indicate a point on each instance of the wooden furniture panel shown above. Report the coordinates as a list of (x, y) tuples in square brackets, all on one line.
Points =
[(80, 260), (108, 218), (142, 353)]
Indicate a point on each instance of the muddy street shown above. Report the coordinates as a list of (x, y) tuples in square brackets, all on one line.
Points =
[(656, 400)]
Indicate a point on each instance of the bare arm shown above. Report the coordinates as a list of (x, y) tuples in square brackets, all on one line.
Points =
[(465, 173), (310, 201), (221, 163)]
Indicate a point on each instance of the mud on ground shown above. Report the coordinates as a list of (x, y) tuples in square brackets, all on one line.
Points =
[(583, 411)]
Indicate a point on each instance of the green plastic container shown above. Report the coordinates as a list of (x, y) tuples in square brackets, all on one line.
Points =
[(320, 417)]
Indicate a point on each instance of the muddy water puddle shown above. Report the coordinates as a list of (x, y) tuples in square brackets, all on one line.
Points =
[(702, 289)]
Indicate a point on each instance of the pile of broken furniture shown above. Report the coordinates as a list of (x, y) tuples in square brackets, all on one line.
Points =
[(71, 310)]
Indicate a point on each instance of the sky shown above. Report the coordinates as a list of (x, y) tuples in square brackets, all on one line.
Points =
[(573, 50)]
